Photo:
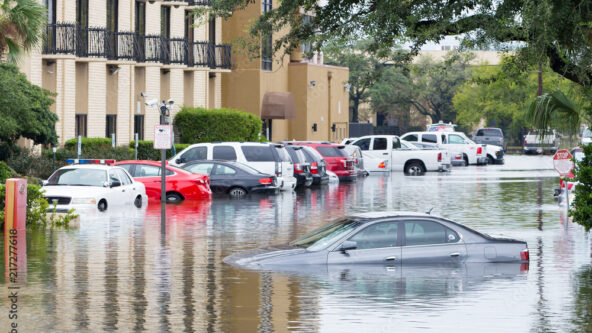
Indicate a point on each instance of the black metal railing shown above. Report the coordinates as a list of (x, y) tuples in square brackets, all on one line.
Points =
[(69, 38), (121, 45), (60, 38)]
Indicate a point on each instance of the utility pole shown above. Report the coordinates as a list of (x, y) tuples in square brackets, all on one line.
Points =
[(540, 72), (163, 112)]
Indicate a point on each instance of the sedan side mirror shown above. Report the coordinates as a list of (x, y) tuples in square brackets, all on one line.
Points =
[(43, 182), (348, 245), (115, 183)]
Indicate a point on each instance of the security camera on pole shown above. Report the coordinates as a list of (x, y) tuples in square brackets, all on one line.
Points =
[(162, 141)]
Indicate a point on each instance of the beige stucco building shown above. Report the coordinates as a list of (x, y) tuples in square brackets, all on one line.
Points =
[(100, 55), (267, 86)]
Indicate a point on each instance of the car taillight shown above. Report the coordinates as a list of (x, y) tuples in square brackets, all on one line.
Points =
[(298, 168), (382, 165), (479, 150), (525, 142), (266, 181), (314, 168), (439, 157), (524, 255)]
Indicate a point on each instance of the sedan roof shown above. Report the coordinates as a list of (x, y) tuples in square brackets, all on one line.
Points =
[(375, 215)]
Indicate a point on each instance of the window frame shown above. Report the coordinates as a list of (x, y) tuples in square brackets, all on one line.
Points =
[(398, 242), (445, 227), (224, 146), (81, 120)]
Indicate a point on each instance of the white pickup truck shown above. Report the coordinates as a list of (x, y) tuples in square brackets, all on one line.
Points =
[(538, 143), (390, 153), (456, 143)]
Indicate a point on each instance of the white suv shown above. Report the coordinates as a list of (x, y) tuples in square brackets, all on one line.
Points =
[(268, 158), (456, 143)]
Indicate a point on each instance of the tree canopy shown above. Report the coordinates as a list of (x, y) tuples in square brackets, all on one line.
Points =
[(553, 32), (24, 109), (21, 26)]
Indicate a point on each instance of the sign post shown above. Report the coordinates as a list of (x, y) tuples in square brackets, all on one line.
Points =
[(162, 141), (563, 164)]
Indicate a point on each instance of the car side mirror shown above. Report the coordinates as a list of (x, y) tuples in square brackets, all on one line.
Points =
[(348, 245), (115, 183), (43, 182)]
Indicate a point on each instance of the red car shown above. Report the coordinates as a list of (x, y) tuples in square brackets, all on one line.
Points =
[(180, 184), (337, 159)]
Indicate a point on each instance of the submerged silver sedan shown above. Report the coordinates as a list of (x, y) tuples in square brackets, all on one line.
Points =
[(387, 238)]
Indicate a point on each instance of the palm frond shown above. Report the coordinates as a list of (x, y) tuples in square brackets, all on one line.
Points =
[(554, 110)]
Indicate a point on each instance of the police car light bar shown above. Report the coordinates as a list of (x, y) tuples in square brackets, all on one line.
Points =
[(86, 161)]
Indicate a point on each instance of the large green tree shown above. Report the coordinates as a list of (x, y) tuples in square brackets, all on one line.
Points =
[(365, 66), (22, 24), (557, 32), (24, 109)]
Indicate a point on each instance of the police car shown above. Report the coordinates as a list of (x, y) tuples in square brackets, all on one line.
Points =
[(92, 184)]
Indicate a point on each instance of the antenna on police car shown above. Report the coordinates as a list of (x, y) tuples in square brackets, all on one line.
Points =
[(429, 211)]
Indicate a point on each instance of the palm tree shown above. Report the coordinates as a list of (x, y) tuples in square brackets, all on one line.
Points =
[(22, 24), (554, 110)]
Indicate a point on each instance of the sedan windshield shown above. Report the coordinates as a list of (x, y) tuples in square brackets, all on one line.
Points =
[(324, 236), (78, 177)]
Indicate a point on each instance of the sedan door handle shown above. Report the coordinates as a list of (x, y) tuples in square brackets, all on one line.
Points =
[(455, 254), (390, 259), (122, 190), (384, 153)]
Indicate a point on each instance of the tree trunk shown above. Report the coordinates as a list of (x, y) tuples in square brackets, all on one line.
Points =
[(355, 110)]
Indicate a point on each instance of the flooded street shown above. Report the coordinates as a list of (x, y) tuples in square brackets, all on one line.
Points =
[(116, 272)]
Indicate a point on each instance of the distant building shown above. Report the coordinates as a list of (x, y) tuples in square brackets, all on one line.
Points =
[(297, 98)]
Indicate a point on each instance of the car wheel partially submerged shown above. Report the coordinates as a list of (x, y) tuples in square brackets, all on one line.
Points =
[(138, 202), (173, 197), (237, 192), (414, 169), (102, 206), (490, 160)]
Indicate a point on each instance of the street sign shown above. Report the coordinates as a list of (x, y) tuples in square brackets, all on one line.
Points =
[(162, 136), (562, 162)]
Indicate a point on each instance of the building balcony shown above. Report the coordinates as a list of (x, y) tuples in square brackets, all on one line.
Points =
[(68, 38), (198, 3)]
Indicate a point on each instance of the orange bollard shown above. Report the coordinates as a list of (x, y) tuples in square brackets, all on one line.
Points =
[(15, 237)]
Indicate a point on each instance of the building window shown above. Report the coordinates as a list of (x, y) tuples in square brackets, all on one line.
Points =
[(80, 125), (111, 125), (266, 42), (112, 14), (51, 10), (140, 18), (165, 21), (139, 126), (82, 13)]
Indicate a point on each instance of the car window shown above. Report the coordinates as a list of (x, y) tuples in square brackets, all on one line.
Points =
[(364, 144), (455, 139), (284, 157), (125, 180), (202, 168), (379, 144), (396, 143), (258, 153), (223, 170), (292, 152), (323, 237), (410, 137), (587, 133), (224, 153), (431, 138), (114, 177), (78, 176), (331, 151), (427, 232), (309, 157), (195, 154), (377, 236), (127, 167), (444, 141), (479, 132), (491, 132), (145, 170)]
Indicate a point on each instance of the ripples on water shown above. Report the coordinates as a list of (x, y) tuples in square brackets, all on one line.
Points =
[(116, 272)]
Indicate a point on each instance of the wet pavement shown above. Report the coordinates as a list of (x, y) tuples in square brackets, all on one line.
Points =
[(116, 271)]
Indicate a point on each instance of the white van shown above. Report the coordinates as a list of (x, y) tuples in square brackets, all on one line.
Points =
[(270, 158), (455, 142), (389, 153)]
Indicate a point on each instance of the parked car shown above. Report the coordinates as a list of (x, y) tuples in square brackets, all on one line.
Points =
[(336, 158), (286, 166), (387, 239), (318, 166), (92, 185), (348, 141), (356, 154), (490, 136), (258, 155), (301, 166), (454, 142), (180, 184), (389, 153), (233, 178), (540, 142)]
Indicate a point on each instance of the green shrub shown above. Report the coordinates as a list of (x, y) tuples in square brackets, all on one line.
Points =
[(29, 164), (37, 209), (582, 204), (6, 171), (147, 152), (88, 144), (196, 125)]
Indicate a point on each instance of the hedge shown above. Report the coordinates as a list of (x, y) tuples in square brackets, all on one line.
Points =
[(196, 125), (147, 152), (88, 143)]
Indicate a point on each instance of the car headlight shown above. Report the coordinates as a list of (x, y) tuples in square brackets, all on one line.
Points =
[(79, 201)]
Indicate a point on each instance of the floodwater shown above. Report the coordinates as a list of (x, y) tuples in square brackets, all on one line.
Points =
[(117, 272)]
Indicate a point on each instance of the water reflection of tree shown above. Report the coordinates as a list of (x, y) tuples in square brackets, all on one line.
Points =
[(582, 310)]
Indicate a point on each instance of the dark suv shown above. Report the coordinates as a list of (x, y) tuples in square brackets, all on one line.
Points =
[(490, 136)]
